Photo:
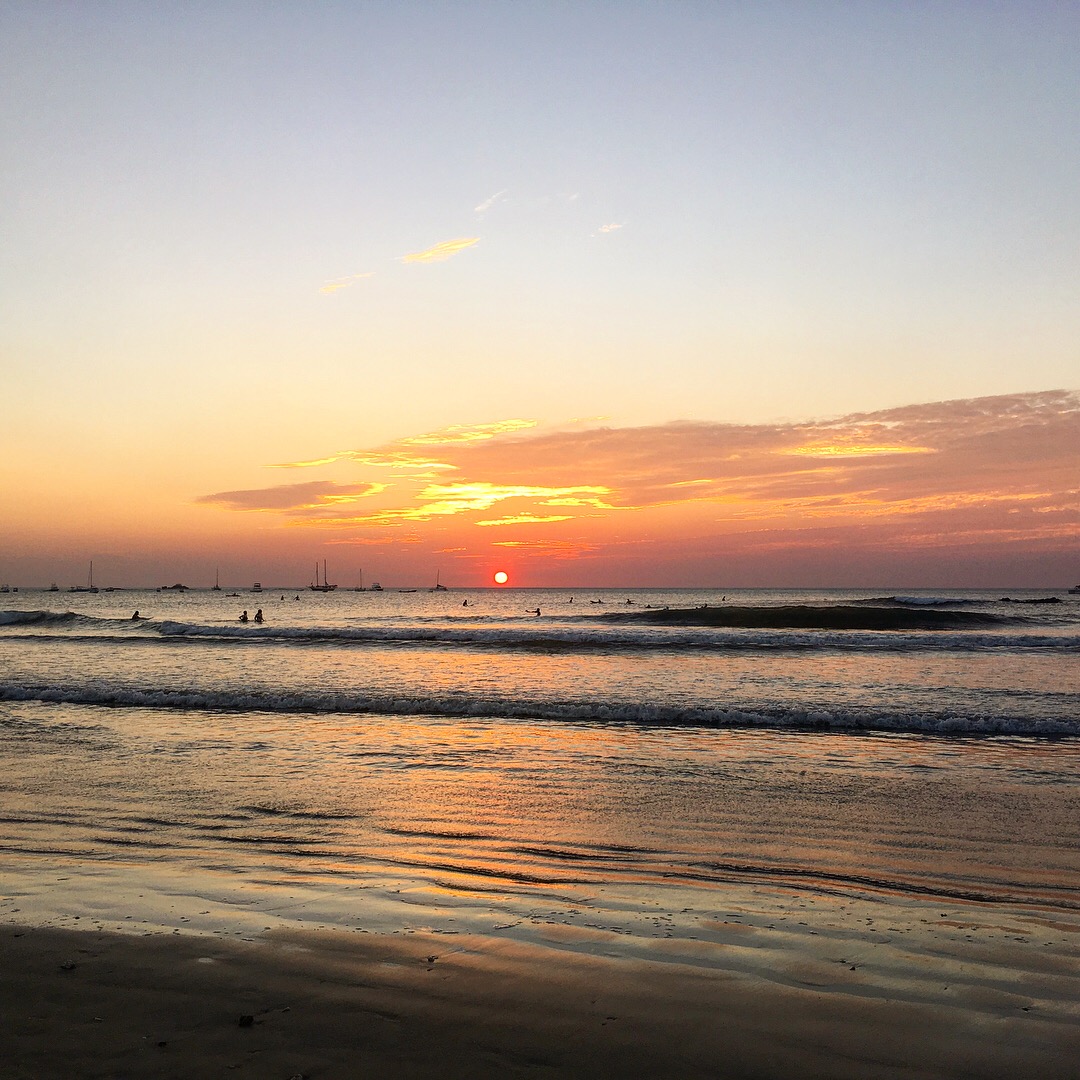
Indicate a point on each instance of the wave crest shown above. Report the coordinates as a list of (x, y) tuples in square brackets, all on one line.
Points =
[(39, 618), (617, 712)]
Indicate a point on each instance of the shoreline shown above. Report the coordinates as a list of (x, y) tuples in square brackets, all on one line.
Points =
[(329, 1004)]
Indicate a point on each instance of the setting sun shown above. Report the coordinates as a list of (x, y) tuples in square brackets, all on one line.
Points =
[(500, 577)]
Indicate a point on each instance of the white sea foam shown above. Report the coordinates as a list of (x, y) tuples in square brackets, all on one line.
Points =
[(608, 637), (620, 712)]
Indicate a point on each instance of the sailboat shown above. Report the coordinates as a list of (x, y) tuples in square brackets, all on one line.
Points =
[(325, 586), (438, 586), (89, 586), (217, 584), (360, 583)]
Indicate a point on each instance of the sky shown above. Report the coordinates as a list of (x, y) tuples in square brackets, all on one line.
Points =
[(718, 294)]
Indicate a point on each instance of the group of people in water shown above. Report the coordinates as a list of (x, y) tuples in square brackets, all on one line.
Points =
[(243, 616), (259, 614)]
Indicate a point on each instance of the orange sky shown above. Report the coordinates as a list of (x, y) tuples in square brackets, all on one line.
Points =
[(563, 288), (975, 492)]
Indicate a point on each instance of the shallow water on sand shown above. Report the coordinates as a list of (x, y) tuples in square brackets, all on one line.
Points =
[(543, 807), (899, 867)]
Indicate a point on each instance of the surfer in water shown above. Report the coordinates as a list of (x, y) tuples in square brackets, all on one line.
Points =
[(258, 615), (243, 616)]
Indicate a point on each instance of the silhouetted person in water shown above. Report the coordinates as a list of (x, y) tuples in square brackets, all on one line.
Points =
[(136, 617), (243, 616), (258, 615)]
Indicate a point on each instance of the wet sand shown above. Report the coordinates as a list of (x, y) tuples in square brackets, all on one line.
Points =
[(331, 1004)]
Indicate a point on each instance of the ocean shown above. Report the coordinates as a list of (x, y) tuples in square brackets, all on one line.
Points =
[(628, 770)]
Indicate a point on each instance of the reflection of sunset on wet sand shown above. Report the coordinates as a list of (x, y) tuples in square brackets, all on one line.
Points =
[(545, 868)]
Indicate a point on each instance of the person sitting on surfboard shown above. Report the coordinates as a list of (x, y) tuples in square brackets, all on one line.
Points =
[(243, 616)]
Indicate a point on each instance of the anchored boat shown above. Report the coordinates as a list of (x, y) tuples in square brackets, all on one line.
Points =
[(89, 586), (325, 586)]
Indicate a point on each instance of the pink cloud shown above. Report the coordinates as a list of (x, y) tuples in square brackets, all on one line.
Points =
[(988, 474), (312, 496)]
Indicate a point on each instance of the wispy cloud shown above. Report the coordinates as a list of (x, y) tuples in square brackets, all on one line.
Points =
[(466, 433), (304, 464), (551, 548), (487, 204), (316, 495), (402, 456), (447, 500), (441, 252), (526, 519), (336, 285), (854, 449), (612, 226)]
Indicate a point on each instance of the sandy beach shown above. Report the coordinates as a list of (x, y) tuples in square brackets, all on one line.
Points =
[(331, 1004)]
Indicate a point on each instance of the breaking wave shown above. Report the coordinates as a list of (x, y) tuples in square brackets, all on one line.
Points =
[(766, 629), (822, 617), (43, 618), (838, 719)]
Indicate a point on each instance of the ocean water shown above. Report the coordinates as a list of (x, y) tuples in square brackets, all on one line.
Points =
[(643, 759), (962, 662)]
